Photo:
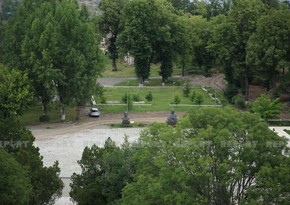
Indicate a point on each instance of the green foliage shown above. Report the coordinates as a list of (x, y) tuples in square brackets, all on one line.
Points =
[(45, 182), (192, 96), (151, 35), (127, 99), (110, 22), (100, 93), (44, 118), (203, 158), (149, 96), (136, 98), (14, 181), (56, 45), (186, 89), (166, 67), (198, 99), (230, 35), (268, 48), (239, 102), (8, 9), (15, 93), (230, 91), (176, 99), (105, 172), (266, 107)]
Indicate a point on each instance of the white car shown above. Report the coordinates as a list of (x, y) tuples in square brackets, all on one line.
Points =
[(94, 112)]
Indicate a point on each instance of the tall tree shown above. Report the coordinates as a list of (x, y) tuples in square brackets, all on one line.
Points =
[(213, 156), (210, 8), (268, 47), (138, 33), (180, 4), (110, 24), (167, 31), (231, 37), (15, 32), (203, 56), (79, 62), (151, 33), (39, 48), (8, 8), (57, 46), (105, 172), (45, 182), (185, 42), (15, 94), (14, 182)]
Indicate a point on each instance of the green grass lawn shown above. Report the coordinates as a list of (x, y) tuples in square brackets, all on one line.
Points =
[(31, 116), (161, 99), (161, 102)]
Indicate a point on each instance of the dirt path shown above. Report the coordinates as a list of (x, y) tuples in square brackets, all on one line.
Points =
[(52, 130), (216, 81)]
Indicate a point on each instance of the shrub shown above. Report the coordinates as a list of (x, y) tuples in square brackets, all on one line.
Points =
[(198, 99), (149, 96), (230, 91), (136, 98), (44, 118), (266, 107), (186, 90), (239, 102), (176, 99), (192, 97), (103, 100)]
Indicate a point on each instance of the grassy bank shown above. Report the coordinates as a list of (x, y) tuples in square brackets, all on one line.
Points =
[(161, 99)]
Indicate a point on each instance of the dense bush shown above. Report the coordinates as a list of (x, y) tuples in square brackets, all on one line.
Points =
[(149, 96), (192, 97), (186, 90), (198, 99), (176, 99), (44, 118), (239, 102), (230, 91), (136, 98)]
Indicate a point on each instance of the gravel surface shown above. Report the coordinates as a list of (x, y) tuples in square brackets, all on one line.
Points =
[(68, 148)]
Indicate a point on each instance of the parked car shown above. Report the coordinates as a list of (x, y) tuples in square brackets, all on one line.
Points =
[(95, 112)]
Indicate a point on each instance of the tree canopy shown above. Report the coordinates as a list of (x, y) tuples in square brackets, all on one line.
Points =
[(44, 181), (105, 172), (13, 177), (15, 93), (211, 157), (57, 48)]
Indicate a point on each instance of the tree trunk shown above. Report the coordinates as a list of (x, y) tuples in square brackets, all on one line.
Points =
[(273, 85), (45, 109), (246, 88), (141, 81), (114, 64), (183, 69), (78, 109), (62, 113)]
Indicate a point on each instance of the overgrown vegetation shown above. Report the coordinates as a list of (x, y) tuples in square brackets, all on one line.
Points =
[(142, 171)]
